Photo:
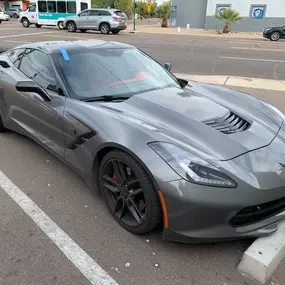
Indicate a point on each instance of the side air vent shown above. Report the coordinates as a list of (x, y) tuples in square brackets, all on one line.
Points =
[(4, 64), (81, 140), (229, 124)]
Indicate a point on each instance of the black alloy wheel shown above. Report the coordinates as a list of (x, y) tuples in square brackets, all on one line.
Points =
[(2, 129), (129, 193)]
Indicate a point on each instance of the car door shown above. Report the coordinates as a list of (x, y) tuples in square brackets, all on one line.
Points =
[(42, 120), (82, 21), (32, 14), (94, 19)]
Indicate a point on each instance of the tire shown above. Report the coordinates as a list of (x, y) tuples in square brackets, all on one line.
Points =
[(0, 22), (71, 27), (148, 205), (115, 32), (38, 26), (275, 36), (2, 129), (82, 30), (15, 16), (105, 28), (60, 25), (25, 22)]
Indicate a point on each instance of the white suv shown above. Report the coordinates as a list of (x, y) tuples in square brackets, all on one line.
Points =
[(103, 20)]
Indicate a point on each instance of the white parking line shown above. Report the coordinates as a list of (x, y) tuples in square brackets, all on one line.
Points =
[(251, 59), (87, 266), (18, 42), (21, 35)]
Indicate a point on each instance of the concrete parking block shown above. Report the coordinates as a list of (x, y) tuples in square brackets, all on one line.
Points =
[(263, 257)]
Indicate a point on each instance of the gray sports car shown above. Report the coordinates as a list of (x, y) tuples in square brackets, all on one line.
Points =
[(206, 162)]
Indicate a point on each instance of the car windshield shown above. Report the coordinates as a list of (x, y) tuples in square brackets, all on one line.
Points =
[(112, 72)]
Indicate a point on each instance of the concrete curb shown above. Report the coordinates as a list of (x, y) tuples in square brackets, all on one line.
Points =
[(247, 82), (264, 256)]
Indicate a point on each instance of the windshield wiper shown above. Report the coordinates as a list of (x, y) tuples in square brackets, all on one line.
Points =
[(105, 98)]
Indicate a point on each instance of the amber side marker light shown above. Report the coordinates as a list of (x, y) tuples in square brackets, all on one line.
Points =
[(164, 210)]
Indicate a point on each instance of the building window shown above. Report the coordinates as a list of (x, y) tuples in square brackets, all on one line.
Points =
[(71, 7), (220, 7), (257, 12), (42, 6), (83, 6)]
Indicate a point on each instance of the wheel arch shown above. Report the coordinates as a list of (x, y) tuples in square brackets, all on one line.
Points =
[(105, 22), (107, 147)]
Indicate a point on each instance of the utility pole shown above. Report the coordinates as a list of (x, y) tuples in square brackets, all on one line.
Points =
[(109, 4), (135, 6)]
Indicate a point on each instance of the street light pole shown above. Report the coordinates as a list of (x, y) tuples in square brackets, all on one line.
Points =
[(135, 5), (109, 4)]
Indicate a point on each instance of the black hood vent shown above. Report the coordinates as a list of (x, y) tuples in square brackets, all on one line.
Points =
[(228, 124)]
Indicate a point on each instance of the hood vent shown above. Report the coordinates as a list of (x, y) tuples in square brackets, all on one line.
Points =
[(228, 124)]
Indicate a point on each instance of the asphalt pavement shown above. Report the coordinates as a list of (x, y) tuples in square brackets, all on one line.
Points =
[(247, 57), (29, 256)]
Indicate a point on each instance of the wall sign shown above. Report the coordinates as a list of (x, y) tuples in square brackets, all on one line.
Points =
[(257, 12), (221, 7)]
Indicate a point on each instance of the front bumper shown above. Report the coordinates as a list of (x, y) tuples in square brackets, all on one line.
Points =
[(266, 34), (205, 214)]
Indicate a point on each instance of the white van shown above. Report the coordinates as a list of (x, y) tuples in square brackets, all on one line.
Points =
[(52, 13)]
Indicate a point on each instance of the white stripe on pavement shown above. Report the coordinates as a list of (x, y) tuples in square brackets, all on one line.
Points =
[(21, 35), (88, 267), (251, 59), (18, 42)]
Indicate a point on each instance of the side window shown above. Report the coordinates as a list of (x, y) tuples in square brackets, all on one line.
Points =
[(71, 7), (105, 13), (51, 5), (94, 13), (61, 7), (83, 6), (32, 8), (42, 6), (85, 13), (15, 56), (37, 66)]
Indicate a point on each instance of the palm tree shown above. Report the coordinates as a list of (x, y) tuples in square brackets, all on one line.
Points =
[(228, 16), (164, 10)]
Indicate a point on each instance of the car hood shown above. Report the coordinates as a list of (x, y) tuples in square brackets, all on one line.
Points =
[(183, 116)]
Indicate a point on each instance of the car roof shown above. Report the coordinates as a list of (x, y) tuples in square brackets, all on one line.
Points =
[(52, 47)]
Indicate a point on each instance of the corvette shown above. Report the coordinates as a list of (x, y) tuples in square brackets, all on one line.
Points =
[(206, 162)]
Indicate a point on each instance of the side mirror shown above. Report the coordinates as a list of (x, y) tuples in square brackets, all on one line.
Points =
[(30, 86), (168, 66), (182, 82)]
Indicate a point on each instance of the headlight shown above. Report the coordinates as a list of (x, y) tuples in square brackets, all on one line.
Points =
[(191, 167)]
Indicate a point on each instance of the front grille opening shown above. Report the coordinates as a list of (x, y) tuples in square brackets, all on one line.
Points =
[(229, 124), (257, 213)]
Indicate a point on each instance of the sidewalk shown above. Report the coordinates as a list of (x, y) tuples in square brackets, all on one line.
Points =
[(245, 82), (155, 29)]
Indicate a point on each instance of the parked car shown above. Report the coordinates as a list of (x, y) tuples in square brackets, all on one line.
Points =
[(206, 162), (275, 33), (103, 20), (13, 12), (4, 17)]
